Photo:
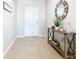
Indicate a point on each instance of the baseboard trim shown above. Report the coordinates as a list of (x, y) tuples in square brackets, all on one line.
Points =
[(19, 36), (32, 36), (8, 48), (41, 35)]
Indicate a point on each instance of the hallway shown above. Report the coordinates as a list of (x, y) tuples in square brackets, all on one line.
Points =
[(26, 23), (32, 48)]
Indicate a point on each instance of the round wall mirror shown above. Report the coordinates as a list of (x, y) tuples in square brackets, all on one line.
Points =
[(61, 9)]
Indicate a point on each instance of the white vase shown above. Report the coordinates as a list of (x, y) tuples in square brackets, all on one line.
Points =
[(56, 28)]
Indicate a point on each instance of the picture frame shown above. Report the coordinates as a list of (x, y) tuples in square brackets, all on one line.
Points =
[(7, 7)]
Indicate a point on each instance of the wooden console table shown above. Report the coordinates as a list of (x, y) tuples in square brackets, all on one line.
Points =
[(66, 54)]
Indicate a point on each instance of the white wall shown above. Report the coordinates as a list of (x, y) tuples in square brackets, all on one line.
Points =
[(71, 17), (20, 15), (51, 4), (9, 25)]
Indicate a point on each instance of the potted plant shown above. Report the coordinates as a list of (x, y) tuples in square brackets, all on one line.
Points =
[(57, 23)]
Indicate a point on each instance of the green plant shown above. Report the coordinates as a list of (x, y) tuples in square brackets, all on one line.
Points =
[(57, 21)]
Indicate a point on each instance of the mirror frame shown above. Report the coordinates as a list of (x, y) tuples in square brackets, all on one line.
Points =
[(65, 4)]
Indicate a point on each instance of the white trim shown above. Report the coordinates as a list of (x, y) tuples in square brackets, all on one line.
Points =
[(20, 36), (36, 35), (41, 35), (8, 48), (30, 36)]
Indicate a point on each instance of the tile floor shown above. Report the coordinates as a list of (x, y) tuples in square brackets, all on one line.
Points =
[(32, 48)]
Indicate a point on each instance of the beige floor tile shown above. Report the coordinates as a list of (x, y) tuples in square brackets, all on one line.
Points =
[(32, 48)]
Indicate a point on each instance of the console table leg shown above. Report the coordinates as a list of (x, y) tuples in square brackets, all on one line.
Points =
[(65, 46), (48, 35)]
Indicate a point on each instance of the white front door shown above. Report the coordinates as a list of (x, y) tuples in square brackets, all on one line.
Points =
[(31, 21)]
